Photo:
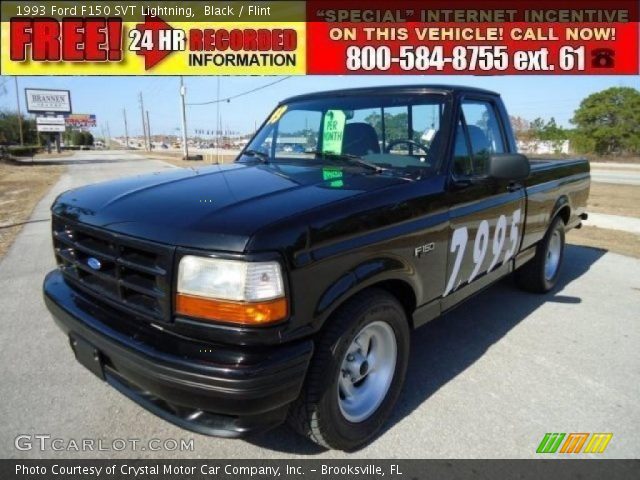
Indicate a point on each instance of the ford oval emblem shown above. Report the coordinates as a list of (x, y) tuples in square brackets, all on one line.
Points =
[(94, 263)]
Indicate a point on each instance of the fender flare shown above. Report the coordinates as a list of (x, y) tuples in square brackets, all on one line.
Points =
[(561, 203), (364, 275)]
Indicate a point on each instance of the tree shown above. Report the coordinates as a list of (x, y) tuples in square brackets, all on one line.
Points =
[(538, 130), (536, 127), (67, 136), (521, 128), (531, 132), (10, 131), (87, 138), (609, 122), (396, 126), (76, 138), (554, 134)]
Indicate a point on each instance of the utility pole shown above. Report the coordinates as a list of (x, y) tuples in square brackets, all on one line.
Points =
[(183, 94), (144, 128), (19, 111), (104, 135), (109, 135), (149, 131), (126, 131), (218, 122)]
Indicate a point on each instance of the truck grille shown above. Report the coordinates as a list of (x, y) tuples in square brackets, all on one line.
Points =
[(125, 272)]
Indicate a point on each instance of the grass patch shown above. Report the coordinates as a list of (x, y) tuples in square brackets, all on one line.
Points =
[(21, 188), (614, 199), (615, 241)]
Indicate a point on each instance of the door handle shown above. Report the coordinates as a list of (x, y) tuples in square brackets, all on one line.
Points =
[(514, 187)]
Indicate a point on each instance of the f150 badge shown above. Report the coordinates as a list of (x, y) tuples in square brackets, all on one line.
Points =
[(424, 249)]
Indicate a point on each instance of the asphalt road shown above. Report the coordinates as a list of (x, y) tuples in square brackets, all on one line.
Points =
[(618, 177), (615, 172), (488, 380), (614, 222)]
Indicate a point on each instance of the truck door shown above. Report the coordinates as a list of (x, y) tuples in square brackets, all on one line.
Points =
[(486, 216)]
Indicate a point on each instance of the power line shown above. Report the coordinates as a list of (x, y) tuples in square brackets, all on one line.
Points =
[(157, 86), (240, 94)]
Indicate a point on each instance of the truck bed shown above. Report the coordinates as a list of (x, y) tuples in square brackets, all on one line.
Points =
[(554, 184)]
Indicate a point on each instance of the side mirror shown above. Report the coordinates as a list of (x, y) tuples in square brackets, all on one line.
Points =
[(508, 166)]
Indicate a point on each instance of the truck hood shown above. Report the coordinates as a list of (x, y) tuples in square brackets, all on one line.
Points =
[(214, 208)]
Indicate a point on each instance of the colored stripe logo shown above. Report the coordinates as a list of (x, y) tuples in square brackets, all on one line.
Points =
[(573, 442), (598, 442)]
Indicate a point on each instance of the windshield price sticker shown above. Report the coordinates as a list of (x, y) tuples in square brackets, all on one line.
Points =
[(530, 38), (333, 131)]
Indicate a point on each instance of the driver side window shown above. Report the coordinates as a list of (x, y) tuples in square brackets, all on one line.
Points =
[(478, 135)]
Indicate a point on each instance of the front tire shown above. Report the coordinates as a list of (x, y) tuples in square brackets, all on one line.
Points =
[(541, 274), (356, 374)]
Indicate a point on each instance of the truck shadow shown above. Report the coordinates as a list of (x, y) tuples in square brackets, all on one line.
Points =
[(448, 345)]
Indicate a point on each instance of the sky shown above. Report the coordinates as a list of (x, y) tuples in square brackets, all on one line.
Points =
[(106, 97)]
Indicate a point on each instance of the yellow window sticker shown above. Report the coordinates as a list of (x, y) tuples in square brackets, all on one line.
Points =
[(275, 116)]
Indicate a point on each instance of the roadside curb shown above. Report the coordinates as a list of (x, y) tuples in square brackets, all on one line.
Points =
[(614, 166), (614, 222)]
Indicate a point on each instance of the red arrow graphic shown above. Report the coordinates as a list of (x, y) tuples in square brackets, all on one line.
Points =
[(153, 55)]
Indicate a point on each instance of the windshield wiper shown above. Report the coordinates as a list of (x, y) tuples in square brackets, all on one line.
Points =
[(263, 157), (348, 158)]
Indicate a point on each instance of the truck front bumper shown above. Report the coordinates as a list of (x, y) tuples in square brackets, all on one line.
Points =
[(228, 391)]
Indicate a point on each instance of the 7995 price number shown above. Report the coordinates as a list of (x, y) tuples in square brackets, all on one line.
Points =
[(463, 58)]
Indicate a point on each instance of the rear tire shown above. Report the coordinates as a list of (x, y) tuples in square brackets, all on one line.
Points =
[(541, 274), (356, 373)]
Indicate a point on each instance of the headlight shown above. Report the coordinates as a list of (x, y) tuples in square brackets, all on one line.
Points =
[(249, 293)]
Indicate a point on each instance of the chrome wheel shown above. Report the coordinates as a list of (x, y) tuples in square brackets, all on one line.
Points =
[(552, 260), (367, 371)]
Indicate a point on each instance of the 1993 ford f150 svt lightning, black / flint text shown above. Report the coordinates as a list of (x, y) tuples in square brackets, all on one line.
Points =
[(285, 285)]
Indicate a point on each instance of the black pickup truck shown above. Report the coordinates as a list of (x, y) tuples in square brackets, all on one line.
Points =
[(286, 285)]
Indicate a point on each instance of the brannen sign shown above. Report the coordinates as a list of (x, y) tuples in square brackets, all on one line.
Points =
[(38, 100)]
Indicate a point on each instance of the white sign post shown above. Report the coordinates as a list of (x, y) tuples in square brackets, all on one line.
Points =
[(50, 121), (49, 102), (50, 128)]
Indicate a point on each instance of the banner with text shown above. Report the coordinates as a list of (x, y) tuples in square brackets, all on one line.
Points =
[(320, 37)]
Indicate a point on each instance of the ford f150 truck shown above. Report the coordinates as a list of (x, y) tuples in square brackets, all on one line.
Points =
[(231, 298)]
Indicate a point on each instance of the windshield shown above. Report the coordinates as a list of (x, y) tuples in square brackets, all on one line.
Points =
[(397, 133)]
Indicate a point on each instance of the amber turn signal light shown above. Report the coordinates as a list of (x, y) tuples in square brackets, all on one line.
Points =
[(241, 313)]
